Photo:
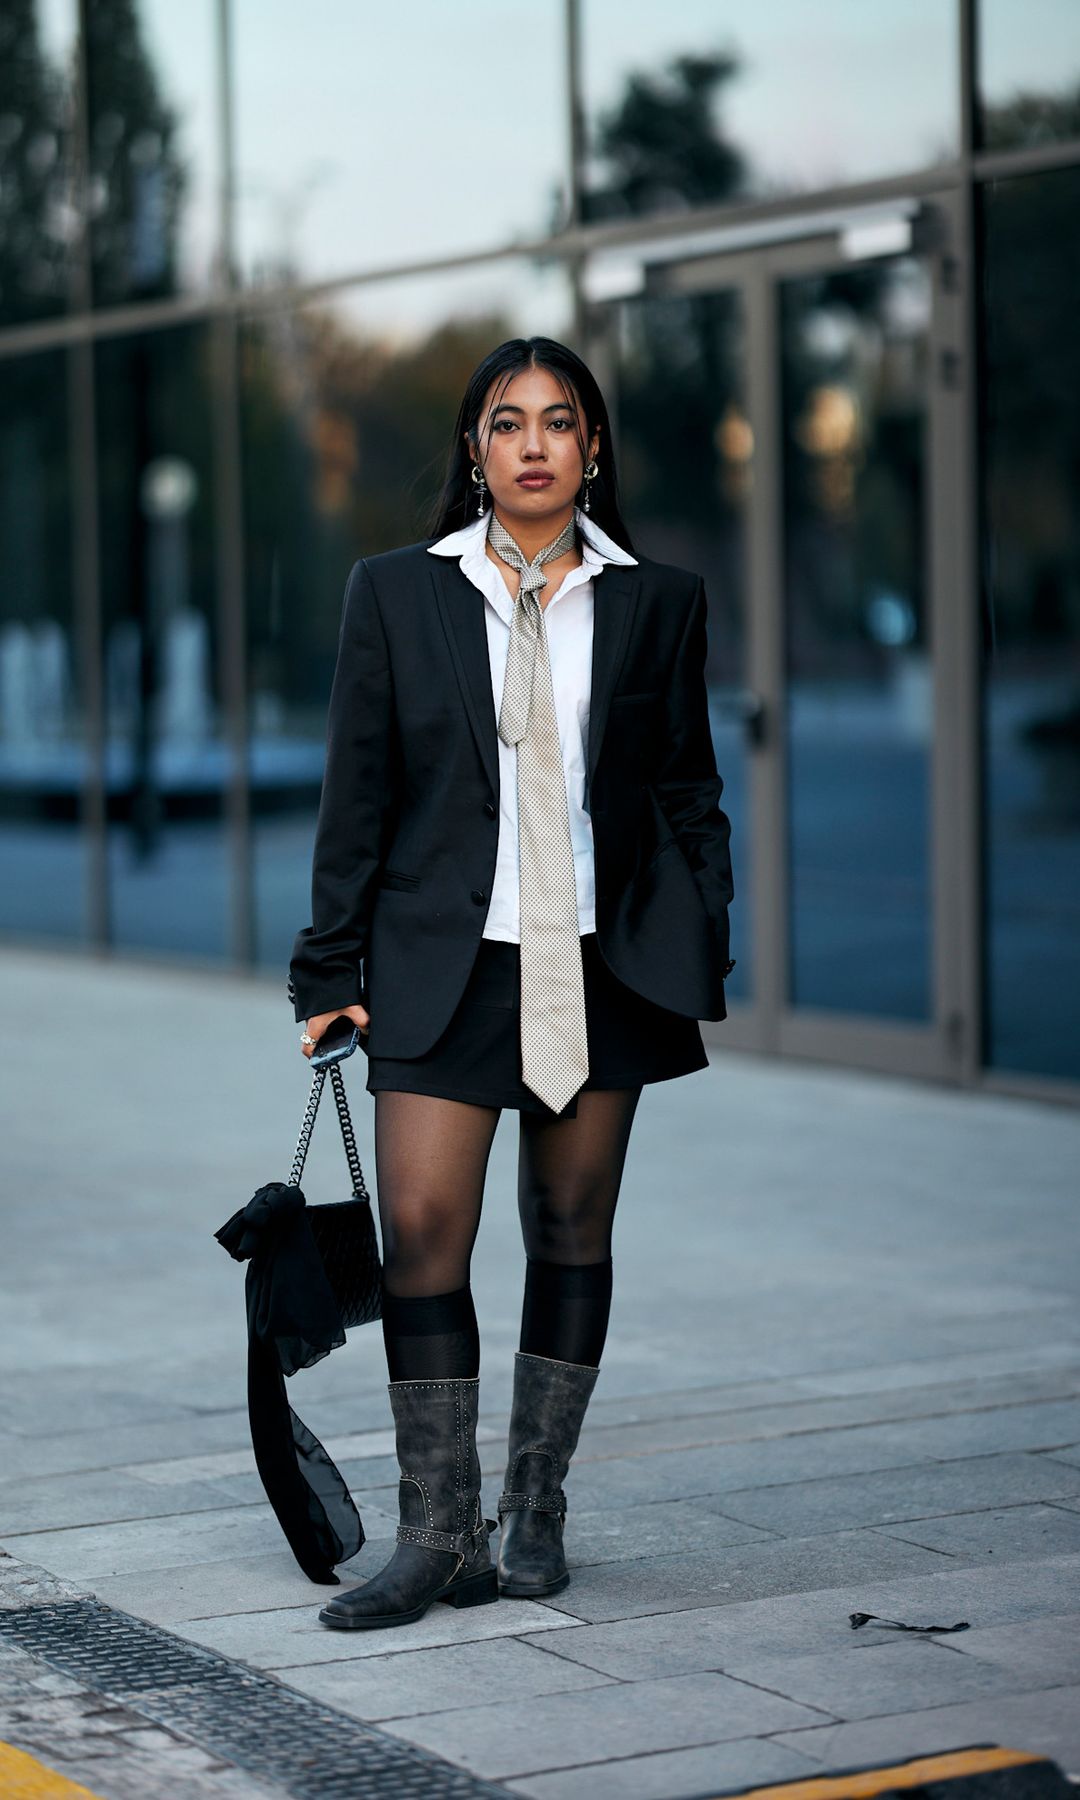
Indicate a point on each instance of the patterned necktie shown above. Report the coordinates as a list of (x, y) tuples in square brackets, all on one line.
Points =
[(554, 1042)]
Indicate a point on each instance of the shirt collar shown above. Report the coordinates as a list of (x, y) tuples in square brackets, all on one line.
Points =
[(597, 548)]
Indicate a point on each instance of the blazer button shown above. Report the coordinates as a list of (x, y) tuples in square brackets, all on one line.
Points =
[(489, 808), (479, 896)]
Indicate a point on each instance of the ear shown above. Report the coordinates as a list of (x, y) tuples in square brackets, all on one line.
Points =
[(594, 445)]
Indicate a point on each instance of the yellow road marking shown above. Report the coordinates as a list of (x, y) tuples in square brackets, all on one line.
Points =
[(22, 1777), (910, 1774)]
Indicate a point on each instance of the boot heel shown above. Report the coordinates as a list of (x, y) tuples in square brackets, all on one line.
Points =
[(475, 1590)]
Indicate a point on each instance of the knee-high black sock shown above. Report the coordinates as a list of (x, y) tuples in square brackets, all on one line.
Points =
[(565, 1310), (431, 1337)]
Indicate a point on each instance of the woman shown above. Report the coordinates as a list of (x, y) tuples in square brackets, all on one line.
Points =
[(520, 895)]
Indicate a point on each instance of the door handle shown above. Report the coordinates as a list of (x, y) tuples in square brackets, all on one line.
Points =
[(745, 705)]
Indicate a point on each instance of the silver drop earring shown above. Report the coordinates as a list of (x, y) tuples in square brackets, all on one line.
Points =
[(481, 484), (592, 470)]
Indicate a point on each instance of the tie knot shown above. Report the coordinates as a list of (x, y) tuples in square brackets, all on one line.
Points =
[(530, 571)]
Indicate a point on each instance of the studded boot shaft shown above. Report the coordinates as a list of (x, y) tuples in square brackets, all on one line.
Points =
[(550, 1399), (442, 1550)]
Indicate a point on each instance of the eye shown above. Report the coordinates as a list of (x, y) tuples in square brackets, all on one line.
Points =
[(509, 423), (565, 422)]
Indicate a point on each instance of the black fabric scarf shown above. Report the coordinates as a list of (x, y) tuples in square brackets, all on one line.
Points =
[(310, 1274)]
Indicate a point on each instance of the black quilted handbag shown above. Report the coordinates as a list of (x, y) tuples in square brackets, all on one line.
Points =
[(314, 1272)]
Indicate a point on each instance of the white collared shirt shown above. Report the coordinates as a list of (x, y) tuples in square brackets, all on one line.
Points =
[(568, 622)]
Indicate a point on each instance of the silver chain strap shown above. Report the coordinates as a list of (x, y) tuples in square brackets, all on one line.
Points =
[(318, 1081)]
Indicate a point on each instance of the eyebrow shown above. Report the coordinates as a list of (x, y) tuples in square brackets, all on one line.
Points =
[(556, 406)]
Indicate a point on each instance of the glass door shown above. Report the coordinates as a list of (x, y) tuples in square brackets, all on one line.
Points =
[(675, 371), (853, 450), (783, 426)]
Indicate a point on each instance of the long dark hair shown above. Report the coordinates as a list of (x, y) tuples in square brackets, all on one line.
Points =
[(456, 504)]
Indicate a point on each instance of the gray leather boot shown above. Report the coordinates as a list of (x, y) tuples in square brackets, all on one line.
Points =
[(442, 1550), (550, 1398)]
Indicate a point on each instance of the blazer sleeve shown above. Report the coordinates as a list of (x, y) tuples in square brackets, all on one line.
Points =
[(355, 808), (689, 786)]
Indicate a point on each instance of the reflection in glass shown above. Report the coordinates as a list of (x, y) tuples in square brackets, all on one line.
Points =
[(167, 761), (42, 751), (684, 449), (854, 371), (1028, 72), (154, 164), (37, 223), (347, 411), (369, 139), (697, 104), (1031, 575)]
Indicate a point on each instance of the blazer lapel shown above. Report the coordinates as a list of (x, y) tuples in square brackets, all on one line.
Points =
[(461, 607), (616, 590)]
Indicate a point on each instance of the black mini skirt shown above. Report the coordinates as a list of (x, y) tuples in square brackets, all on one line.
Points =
[(632, 1041)]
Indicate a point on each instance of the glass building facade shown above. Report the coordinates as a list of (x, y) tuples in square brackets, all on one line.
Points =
[(826, 265)]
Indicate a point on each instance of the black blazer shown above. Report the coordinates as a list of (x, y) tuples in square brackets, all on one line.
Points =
[(408, 819)]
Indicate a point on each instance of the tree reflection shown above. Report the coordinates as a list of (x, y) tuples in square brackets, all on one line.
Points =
[(137, 179), (661, 145), (36, 221), (1030, 117), (1031, 287), (853, 351), (344, 444)]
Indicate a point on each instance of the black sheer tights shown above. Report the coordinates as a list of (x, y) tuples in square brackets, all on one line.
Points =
[(431, 1158)]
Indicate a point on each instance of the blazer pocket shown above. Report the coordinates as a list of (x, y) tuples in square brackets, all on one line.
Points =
[(632, 699), (397, 879)]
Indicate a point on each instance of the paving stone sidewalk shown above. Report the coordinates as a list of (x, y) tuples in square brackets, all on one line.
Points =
[(843, 1374)]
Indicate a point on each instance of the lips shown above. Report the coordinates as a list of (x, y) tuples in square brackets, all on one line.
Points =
[(535, 480)]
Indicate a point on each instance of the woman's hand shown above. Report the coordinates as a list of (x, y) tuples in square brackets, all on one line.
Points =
[(316, 1026)]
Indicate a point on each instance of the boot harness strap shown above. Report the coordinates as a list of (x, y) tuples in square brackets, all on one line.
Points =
[(552, 1502), (461, 1541)]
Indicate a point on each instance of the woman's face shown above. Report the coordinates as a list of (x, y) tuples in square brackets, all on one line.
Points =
[(528, 445)]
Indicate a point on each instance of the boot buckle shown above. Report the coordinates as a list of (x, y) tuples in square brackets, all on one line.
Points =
[(460, 1541)]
